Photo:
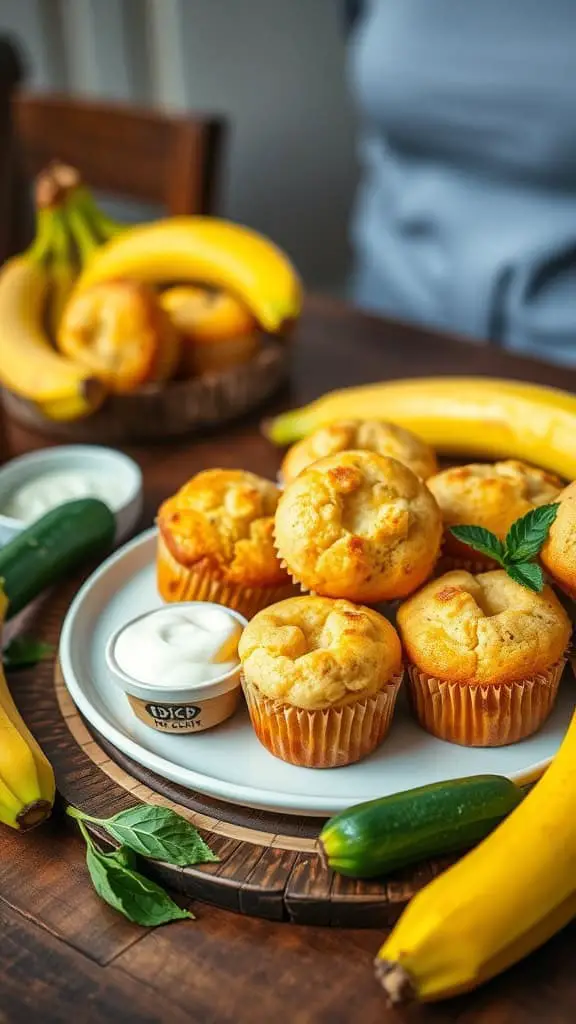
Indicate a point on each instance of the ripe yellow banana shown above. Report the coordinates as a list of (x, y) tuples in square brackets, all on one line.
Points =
[(501, 901), (206, 250), (26, 778), (471, 416), (28, 364)]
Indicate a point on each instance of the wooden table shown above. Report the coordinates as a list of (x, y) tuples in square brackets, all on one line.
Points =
[(64, 956)]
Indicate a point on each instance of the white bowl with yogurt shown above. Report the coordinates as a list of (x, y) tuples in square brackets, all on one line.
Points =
[(178, 665), (33, 484)]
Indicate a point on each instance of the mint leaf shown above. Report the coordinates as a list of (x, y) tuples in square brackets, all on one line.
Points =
[(159, 833), (24, 651), (127, 891), (528, 574), (123, 856), (527, 535), (483, 541)]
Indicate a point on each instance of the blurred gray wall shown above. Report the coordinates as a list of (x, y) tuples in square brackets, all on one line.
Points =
[(274, 67)]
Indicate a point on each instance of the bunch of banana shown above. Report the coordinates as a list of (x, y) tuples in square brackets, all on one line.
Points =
[(204, 250), (26, 779), (34, 288), (496, 905), (470, 416)]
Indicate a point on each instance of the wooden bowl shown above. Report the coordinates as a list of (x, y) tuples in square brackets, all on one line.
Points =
[(176, 408)]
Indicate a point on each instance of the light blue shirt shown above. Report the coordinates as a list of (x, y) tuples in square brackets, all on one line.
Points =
[(465, 217)]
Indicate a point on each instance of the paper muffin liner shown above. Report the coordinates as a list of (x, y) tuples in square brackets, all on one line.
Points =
[(323, 738), (393, 602), (298, 585), (475, 563), (178, 582), (448, 563), (493, 715)]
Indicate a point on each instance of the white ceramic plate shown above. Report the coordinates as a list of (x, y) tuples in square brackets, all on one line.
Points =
[(228, 762)]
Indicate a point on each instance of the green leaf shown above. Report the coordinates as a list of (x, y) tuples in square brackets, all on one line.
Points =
[(481, 540), (24, 651), (123, 856), (159, 833), (127, 891), (528, 574), (527, 535)]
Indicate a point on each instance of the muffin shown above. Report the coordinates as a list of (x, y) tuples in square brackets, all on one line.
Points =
[(485, 656), (217, 331), (360, 526), (215, 542), (320, 679), (488, 495), (360, 435), (120, 333), (558, 554)]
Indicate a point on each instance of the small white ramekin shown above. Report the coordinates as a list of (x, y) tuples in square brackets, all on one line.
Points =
[(122, 470), (181, 710)]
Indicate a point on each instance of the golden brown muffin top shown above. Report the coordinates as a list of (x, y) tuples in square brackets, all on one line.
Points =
[(314, 652), (483, 629), (361, 435), (492, 495), (222, 520), (360, 526), (558, 554)]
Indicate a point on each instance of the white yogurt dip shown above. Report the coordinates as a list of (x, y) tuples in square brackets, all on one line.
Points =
[(179, 665), (39, 495), (179, 645)]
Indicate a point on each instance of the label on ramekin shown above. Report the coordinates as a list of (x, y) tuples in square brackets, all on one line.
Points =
[(185, 717)]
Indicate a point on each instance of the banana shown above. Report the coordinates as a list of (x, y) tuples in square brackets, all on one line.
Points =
[(27, 785), (470, 416), (28, 364), (207, 250), (62, 273), (497, 904)]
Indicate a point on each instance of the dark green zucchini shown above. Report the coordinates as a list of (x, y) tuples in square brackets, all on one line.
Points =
[(52, 547), (380, 836)]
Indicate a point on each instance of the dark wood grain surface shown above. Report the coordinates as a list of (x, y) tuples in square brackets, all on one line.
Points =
[(64, 956)]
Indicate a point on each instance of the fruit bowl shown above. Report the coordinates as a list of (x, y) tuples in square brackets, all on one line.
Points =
[(169, 410)]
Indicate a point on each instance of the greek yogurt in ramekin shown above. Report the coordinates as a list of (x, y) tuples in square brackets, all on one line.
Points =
[(178, 665)]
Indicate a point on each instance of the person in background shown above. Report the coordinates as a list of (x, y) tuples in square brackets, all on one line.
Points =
[(465, 217)]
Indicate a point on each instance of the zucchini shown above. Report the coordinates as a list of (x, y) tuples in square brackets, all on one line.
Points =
[(52, 547), (374, 838)]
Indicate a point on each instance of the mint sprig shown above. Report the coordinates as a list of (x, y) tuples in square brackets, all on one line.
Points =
[(522, 544), (528, 574), (160, 834), (483, 541), (126, 890), (527, 535), (154, 832)]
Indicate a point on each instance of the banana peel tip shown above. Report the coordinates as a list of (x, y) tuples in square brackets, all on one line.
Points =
[(395, 981)]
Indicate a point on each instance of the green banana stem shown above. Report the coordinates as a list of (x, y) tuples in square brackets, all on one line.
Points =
[(62, 242), (86, 241), (105, 227), (41, 247), (62, 270)]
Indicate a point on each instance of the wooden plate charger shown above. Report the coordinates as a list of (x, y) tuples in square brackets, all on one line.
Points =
[(269, 865)]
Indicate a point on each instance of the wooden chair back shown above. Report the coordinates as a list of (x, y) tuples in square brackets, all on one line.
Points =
[(171, 160)]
